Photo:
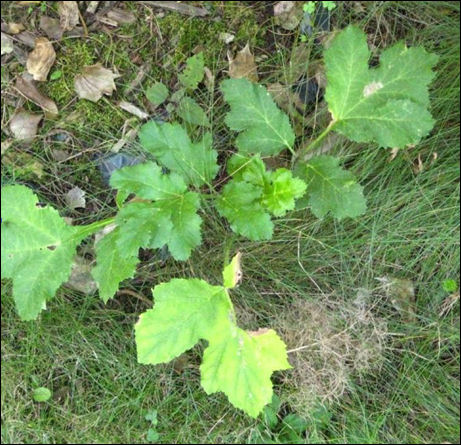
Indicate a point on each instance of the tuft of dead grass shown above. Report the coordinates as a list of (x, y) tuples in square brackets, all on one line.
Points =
[(330, 343)]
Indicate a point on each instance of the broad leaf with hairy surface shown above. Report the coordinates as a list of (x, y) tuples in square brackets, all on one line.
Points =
[(386, 105), (190, 111), (169, 217), (240, 364), (113, 264), (185, 311), (172, 147), (236, 362), (38, 248), (264, 128), (330, 188)]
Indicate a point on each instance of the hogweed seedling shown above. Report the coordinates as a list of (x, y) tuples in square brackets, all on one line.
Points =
[(386, 106)]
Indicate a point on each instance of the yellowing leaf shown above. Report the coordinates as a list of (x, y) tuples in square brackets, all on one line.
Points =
[(232, 273), (240, 364)]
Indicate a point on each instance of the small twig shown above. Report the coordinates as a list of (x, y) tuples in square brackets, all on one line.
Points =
[(182, 8), (132, 293), (82, 20)]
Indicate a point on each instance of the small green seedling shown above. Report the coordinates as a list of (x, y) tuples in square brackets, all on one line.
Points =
[(41, 394), (152, 434), (450, 285)]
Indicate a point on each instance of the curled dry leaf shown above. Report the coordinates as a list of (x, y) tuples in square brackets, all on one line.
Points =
[(7, 44), (75, 198), (68, 15), (94, 81), (26, 87), (41, 59), (133, 109), (13, 28), (243, 65), (24, 125), (51, 27)]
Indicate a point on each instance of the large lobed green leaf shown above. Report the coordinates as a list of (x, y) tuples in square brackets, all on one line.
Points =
[(114, 263), (387, 104), (169, 217), (185, 311), (240, 364), (172, 147), (264, 128), (38, 248), (236, 362), (330, 188), (163, 213)]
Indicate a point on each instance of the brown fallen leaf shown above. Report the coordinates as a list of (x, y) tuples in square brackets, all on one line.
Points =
[(41, 59), (288, 14), (51, 27), (94, 81), (24, 125), (133, 109), (26, 38), (243, 65), (26, 87), (68, 15)]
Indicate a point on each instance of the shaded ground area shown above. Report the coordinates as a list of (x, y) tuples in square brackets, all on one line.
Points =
[(361, 304)]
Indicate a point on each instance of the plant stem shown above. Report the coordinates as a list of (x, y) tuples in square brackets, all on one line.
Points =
[(315, 143), (88, 230)]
